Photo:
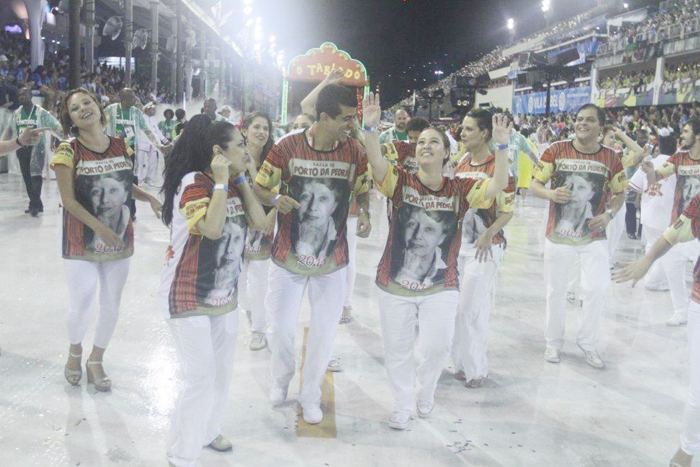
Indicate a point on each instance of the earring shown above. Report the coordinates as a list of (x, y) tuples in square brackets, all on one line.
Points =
[(74, 129)]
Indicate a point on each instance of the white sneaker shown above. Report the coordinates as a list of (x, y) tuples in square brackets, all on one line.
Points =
[(425, 407), (258, 341), (312, 413), (334, 365), (460, 376), (678, 319), (221, 444), (552, 355), (278, 395), (592, 358), (399, 420)]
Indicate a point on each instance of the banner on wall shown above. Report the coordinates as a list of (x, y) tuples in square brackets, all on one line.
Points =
[(565, 100), (624, 97)]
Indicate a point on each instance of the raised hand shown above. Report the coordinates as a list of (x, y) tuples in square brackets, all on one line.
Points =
[(501, 129), (334, 76), (371, 110)]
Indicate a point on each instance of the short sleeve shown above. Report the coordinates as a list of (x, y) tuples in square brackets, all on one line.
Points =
[(362, 174), (637, 181), (391, 181), (687, 226), (669, 167), (618, 181), (194, 203), (476, 193), (270, 173), (505, 200), (64, 155), (545, 167), (391, 154)]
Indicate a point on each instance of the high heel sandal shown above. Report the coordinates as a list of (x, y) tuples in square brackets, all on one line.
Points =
[(73, 376), (102, 384)]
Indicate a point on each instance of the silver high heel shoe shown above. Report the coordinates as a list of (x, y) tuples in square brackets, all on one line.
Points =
[(103, 384), (73, 376)]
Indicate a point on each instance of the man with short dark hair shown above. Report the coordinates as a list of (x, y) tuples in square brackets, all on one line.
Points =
[(398, 131), (317, 172), (209, 108)]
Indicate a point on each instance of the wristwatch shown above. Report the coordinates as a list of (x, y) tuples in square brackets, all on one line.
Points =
[(364, 211), (610, 213)]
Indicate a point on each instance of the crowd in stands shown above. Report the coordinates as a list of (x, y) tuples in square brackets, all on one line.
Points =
[(681, 77)]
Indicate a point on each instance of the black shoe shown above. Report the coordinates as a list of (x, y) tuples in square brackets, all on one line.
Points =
[(631, 236), (34, 213), (27, 211)]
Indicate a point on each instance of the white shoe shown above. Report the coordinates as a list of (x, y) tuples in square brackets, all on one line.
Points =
[(678, 319), (592, 358), (258, 341), (681, 459), (312, 413), (278, 395), (399, 420), (552, 355), (460, 376), (221, 444), (425, 407), (334, 365)]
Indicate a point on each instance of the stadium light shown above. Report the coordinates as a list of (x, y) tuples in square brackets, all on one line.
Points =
[(439, 72), (545, 5), (626, 5), (511, 23)]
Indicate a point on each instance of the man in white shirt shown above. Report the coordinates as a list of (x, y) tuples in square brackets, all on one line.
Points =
[(148, 154), (656, 207)]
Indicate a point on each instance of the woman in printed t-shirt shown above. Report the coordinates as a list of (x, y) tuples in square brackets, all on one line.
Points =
[(417, 275), (94, 174), (483, 248), (257, 129), (209, 206)]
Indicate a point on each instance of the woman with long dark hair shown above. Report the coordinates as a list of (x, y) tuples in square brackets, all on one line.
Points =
[(258, 132), (208, 206), (94, 175)]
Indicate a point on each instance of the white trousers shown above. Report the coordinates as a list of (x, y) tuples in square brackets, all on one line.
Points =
[(205, 348), (283, 301), (615, 229), (477, 287), (252, 289), (559, 262), (352, 247), (147, 165), (428, 319), (674, 265), (690, 434), (655, 279), (82, 278)]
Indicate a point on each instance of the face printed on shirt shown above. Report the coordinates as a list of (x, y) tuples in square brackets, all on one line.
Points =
[(571, 220), (689, 186), (423, 234)]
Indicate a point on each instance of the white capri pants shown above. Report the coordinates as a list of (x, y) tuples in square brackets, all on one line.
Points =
[(252, 289), (148, 163), (690, 434), (655, 279), (559, 263), (352, 272), (82, 278), (283, 301), (674, 264), (205, 348), (427, 319), (477, 286)]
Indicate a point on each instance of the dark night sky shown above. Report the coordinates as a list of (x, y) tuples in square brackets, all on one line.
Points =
[(392, 36)]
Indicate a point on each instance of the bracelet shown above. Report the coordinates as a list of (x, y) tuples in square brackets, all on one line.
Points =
[(274, 201), (610, 213), (369, 128), (240, 179), (364, 211), (221, 186), (501, 147)]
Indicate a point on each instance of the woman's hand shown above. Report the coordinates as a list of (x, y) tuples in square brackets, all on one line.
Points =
[(599, 222), (334, 76), (501, 129), (364, 226), (220, 169), (156, 206), (110, 237), (32, 137), (632, 271), (561, 195), (483, 247), (371, 110), (285, 204)]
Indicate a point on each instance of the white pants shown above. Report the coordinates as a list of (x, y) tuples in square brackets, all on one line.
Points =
[(252, 288), (147, 165), (690, 434), (615, 229), (429, 319), (283, 301), (205, 348), (352, 247), (82, 278), (655, 279), (674, 264), (477, 286), (559, 261)]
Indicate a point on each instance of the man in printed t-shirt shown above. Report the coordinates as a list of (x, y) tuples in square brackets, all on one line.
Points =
[(317, 171), (685, 164), (584, 176)]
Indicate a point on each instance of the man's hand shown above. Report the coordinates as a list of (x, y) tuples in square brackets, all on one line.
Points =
[(483, 247), (561, 195), (285, 204), (32, 137), (599, 222), (364, 226)]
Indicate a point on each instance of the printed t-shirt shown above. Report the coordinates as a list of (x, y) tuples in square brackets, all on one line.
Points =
[(312, 240), (258, 246), (476, 221), (591, 177), (420, 257), (687, 172), (102, 184), (402, 154), (657, 199), (686, 229), (201, 274)]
